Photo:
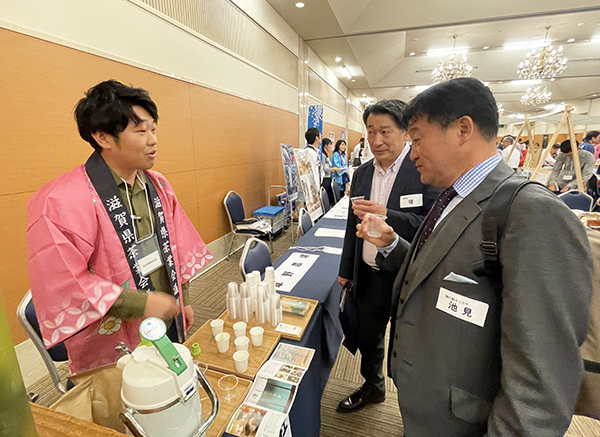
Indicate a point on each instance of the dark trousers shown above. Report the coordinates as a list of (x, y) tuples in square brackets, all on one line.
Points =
[(373, 302), (327, 185)]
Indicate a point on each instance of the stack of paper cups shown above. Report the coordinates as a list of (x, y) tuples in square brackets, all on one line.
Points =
[(270, 279), (276, 313), (232, 301), (261, 305), (256, 277), (245, 302)]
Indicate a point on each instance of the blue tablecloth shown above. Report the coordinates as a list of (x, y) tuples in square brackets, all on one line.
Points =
[(323, 333)]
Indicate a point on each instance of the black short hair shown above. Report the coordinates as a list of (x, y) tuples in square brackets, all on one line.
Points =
[(326, 141), (393, 107), (591, 134), (108, 107), (311, 135), (448, 101), (565, 146)]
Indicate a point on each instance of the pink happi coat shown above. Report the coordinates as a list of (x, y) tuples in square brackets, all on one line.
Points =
[(77, 266)]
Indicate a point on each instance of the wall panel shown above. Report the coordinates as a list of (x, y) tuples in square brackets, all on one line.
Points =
[(209, 142)]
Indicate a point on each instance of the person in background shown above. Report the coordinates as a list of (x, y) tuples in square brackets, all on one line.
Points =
[(338, 160), (313, 140), (524, 147), (327, 168), (357, 153), (551, 158), (472, 356), (591, 143), (563, 176), (515, 156), (391, 186)]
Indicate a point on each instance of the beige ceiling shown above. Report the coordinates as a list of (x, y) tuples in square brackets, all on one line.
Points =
[(375, 39)]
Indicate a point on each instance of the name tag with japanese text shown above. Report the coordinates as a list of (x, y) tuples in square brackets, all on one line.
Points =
[(461, 307), (147, 255), (411, 200), (568, 177)]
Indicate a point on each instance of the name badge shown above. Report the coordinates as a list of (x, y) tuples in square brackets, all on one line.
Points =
[(461, 307), (411, 200), (148, 256), (568, 177)]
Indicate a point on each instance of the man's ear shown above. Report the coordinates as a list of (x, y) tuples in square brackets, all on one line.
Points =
[(466, 128), (104, 140), (405, 136)]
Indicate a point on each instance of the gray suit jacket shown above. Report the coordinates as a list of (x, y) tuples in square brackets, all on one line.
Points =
[(518, 374)]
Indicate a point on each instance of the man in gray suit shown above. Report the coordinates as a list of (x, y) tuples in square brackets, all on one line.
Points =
[(471, 357)]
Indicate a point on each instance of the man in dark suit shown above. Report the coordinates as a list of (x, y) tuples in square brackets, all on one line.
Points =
[(471, 356), (391, 186)]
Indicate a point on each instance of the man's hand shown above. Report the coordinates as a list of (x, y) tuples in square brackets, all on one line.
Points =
[(552, 187), (565, 189), (362, 207), (335, 169), (161, 305), (343, 281), (388, 236), (189, 316)]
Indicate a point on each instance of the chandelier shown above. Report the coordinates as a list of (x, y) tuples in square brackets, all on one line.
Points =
[(500, 109), (536, 96), (453, 68), (543, 62)]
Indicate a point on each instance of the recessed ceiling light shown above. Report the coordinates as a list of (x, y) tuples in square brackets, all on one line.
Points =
[(338, 59), (407, 87), (353, 80), (364, 95), (526, 82), (571, 40), (499, 82), (486, 83), (300, 5), (580, 24), (552, 79), (411, 53), (486, 47), (562, 103)]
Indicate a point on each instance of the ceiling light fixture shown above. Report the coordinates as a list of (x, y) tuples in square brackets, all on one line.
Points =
[(452, 68), (571, 40), (346, 71), (526, 82), (595, 40), (300, 5), (580, 24), (500, 109), (543, 63), (353, 80), (536, 96), (306, 62), (338, 59), (486, 47), (411, 54), (422, 87)]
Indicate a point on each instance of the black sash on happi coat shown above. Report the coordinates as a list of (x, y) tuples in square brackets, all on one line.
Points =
[(104, 183)]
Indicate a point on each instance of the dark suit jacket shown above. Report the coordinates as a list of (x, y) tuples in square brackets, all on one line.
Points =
[(405, 221), (519, 373)]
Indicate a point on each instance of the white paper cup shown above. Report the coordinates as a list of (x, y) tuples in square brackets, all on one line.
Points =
[(222, 342), (239, 329), (241, 343), (241, 360), (217, 326), (270, 273), (256, 334)]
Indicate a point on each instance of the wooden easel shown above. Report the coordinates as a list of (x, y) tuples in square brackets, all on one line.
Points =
[(566, 118), (516, 141)]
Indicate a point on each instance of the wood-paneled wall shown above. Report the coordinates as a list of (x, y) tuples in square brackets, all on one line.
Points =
[(209, 142)]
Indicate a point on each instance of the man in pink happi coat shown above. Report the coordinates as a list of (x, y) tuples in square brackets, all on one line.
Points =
[(108, 242)]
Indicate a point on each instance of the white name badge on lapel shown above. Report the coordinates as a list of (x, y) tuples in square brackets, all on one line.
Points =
[(411, 200), (568, 177), (461, 307)]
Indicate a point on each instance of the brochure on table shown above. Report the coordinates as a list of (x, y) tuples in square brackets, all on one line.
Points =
[(265, 410), (289, 273)]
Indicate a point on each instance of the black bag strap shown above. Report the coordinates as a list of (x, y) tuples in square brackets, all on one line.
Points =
[(495, 218)]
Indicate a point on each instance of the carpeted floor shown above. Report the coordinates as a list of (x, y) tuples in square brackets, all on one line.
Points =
[(208, 300)]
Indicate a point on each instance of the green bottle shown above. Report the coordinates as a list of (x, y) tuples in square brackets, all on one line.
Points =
[(15, 415)]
